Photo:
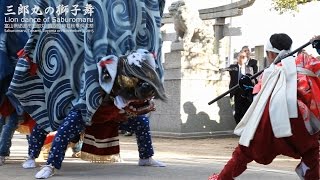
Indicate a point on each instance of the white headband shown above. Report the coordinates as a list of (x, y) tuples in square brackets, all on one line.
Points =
[(269, 47)]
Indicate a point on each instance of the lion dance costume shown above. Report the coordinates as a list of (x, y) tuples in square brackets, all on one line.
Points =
[(57, 78)]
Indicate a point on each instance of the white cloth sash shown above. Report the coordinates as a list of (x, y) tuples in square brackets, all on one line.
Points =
[(279, 83)]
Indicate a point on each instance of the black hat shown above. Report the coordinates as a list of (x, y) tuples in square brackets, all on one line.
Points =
[(281, 41)]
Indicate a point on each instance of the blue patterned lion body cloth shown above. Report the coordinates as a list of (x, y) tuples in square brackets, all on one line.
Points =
[(67, 75)]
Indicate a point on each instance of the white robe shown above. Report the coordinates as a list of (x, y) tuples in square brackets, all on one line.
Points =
[(280, 86)]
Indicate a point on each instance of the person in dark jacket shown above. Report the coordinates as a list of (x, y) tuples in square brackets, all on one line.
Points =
[(244, 66), (250, 62)]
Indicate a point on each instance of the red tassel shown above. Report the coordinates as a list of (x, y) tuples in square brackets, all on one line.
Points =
[(33, 66), (20, 53), (104, 63)]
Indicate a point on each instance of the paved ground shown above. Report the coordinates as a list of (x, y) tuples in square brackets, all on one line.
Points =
[(186, 160)]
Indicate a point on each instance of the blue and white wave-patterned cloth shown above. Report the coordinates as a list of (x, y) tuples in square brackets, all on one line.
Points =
[(10, 44), (67, 75)]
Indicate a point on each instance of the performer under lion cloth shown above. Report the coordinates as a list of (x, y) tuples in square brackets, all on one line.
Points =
[(57, 80), (284, 118)]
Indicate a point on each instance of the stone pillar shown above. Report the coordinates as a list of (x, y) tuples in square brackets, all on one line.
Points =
[(191, 81), (259, 55), (218, 28)]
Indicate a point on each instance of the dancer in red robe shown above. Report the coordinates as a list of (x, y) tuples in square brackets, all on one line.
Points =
[(292, 130)]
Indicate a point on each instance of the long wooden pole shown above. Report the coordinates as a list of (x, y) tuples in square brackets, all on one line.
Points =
[(276, 61)]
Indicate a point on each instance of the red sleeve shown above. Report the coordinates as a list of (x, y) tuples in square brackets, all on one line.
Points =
[(257, 87)]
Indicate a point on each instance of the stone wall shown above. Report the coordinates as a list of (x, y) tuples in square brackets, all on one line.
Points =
[(191, 82), (192, 77)]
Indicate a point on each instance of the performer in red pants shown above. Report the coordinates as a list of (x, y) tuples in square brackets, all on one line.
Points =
[(267, 130)]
